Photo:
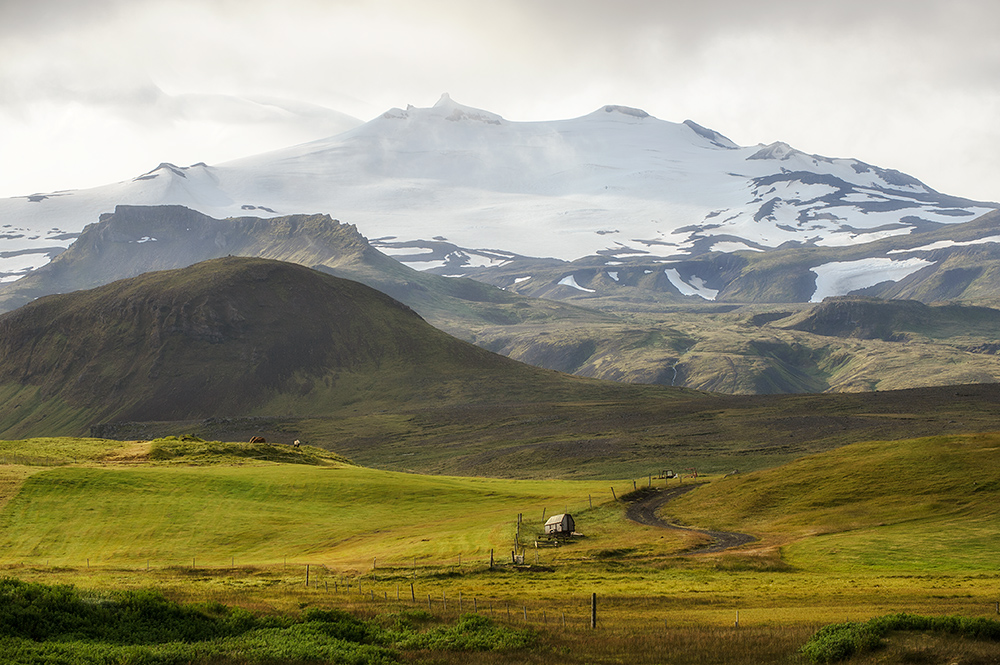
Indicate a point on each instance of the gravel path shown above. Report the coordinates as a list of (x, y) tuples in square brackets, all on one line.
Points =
[(644, 510)]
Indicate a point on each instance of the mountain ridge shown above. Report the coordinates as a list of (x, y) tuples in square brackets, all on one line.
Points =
[(454, 189)]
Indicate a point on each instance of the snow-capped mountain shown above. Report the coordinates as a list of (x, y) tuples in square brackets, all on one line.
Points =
[(456, 189)]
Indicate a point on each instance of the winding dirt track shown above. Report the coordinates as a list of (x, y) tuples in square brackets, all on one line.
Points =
[(644, 512)]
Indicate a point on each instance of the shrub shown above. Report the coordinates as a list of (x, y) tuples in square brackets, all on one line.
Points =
[(58, 625), (473, 632), (840, 641)]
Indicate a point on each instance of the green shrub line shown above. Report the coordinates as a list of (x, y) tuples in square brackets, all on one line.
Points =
[(840, 641), (60, 624)]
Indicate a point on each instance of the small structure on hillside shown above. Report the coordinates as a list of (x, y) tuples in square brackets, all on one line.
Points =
[(560, 525)]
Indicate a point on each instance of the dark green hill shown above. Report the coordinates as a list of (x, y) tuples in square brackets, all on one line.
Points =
[(232, 336), (239, 346)]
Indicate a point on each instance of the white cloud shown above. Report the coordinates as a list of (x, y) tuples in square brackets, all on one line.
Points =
[(909, 85)]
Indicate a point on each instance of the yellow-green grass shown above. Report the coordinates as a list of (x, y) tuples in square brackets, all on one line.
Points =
[(238, 529), (920, 505), (112, 511)]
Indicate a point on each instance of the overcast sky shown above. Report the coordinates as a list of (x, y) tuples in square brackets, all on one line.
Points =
[(96, 91)]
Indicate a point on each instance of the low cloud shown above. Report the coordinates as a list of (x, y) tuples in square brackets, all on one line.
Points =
[(852, 78)]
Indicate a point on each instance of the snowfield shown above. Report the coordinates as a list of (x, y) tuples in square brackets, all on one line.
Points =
[(942, 244), (841, 277), (694, 287), (570, 281), (616, 182)]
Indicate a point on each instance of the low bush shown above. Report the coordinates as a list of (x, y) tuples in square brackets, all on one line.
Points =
[(473, 632), (60, 625), (841, 641)]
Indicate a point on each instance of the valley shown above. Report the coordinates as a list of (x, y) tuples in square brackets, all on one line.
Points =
[(237, 430)]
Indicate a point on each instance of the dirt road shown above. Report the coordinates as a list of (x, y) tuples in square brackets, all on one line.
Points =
[(644, 510)]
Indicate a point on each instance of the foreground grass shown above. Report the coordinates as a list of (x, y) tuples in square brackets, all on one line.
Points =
[(278, 532), (213, 503), (60, 625)]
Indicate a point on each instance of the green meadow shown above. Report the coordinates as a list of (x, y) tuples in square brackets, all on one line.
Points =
[(286, 536)]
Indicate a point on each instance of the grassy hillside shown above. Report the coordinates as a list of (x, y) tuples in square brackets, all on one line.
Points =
[(907, 506), (233, 337), (847, 344), (124, 504), (237, 524), (607, 430), (912, 506)]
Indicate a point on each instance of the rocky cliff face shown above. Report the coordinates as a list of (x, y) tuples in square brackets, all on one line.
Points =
[(137, 239)]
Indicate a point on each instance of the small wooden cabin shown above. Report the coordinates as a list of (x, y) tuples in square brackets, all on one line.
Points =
[(560, 524)]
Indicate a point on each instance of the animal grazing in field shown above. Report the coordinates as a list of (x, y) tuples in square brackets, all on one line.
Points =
[(258, 439)]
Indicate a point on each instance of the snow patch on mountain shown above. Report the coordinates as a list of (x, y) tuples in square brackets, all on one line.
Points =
[(570, 281), (16, 266), (424, 265), (694, 286), (841, 277), (403, 251), (730, 246), (942, 244)]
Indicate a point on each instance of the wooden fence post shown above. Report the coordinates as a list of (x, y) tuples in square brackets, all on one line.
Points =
[(307, 575), (593, 610), (613, 494)]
